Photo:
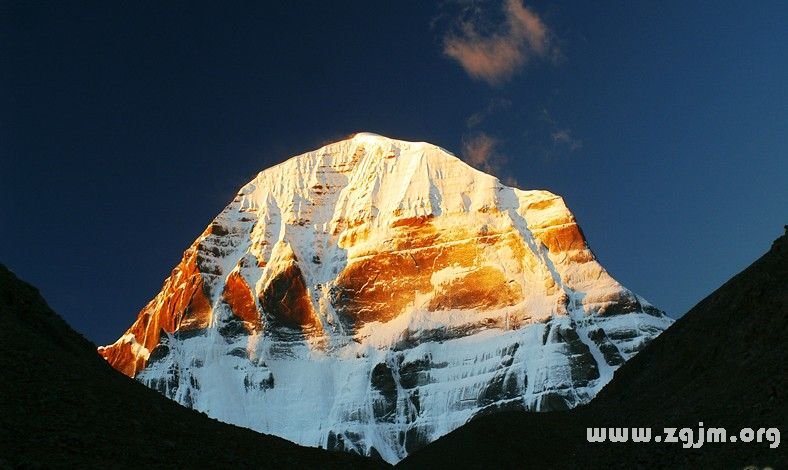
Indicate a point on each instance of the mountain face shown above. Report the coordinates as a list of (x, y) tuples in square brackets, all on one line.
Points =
[(375, 294), (722, 364)]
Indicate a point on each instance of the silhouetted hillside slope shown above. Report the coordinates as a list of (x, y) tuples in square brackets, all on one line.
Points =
[(64, 406), (723, 364)]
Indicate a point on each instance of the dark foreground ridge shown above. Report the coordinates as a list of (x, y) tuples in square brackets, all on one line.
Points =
[(722, 364), (64, 406)]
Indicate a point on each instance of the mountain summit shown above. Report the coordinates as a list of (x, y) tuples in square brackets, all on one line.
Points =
[(375, 294)]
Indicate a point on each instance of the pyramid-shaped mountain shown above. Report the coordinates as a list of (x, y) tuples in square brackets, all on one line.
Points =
[(375, 294)]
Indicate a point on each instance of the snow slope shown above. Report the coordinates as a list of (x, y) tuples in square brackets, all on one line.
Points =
[(375, 294)]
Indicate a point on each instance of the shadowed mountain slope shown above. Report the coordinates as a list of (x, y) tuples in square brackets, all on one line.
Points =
[(64, 406)]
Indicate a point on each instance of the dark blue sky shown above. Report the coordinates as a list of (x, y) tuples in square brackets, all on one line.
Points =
[(127, 126)]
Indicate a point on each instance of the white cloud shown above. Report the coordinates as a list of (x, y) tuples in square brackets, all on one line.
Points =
[(496, 56)]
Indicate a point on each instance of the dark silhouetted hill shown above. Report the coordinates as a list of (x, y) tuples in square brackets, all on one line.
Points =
[(61, 405), (722, 364)]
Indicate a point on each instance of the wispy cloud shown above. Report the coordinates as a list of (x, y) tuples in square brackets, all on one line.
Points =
[(495, 56), (492, 107), (564, 137), (480, 150)]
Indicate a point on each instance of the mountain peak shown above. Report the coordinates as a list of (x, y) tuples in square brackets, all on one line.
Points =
[(395, 289), (370, 136)]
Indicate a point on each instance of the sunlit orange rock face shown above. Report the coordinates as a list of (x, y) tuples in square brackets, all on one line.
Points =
[(375, 294), (123, 358), (564, 238), (240, 298), (380, 285), (181, 305), (358, 233), (481, 289), (557, 228)]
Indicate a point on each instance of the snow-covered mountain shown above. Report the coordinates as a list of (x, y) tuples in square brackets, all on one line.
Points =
[(375, 294)]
